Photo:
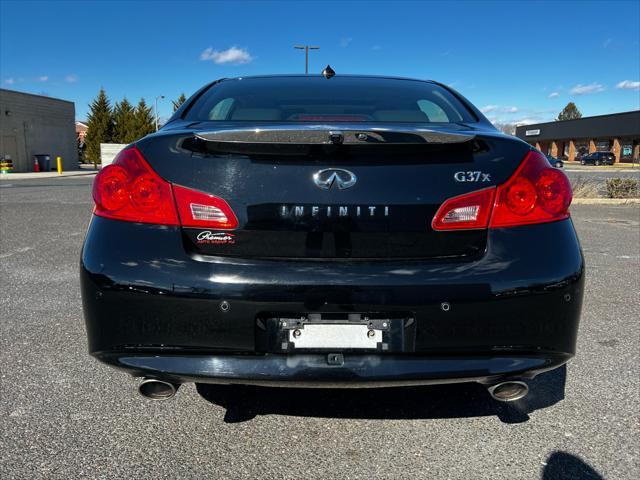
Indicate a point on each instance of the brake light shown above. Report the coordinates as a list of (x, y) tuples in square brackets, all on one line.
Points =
[(198, 209), (465, 212), (535, 193), (130, 190)]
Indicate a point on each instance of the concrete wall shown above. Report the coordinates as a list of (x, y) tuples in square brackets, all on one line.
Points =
[(33, 124)]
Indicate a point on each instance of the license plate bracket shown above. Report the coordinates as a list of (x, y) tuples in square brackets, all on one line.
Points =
[(374, 332)]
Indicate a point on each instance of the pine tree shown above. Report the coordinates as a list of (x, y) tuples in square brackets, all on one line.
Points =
[(144, 122), (569, 112), (124, 122), (100, 127), (179, 102)]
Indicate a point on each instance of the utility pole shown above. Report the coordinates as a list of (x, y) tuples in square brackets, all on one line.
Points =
[(156, 109), (306, 49)]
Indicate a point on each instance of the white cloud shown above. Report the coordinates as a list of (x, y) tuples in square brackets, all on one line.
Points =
[(525, 121), (498, 108), (489, 108), (628, 85), (9, 81), (585, 89), (43, 78), (554, 94), (607, 42), (71, 78), (345, 41), (376, 47), (232, 56)]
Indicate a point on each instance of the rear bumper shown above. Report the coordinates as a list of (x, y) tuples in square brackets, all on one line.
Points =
[(153, 309), (313, 370)]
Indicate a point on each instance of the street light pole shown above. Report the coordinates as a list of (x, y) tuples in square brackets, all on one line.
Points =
[(155, 109), (306, 49)]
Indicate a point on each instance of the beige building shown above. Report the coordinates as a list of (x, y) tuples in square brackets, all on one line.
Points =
[(618, 133), (81, 130)]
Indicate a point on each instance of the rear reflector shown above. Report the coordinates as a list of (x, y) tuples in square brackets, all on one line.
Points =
[(535, 193), (207, 213), (199, 209), (462, 214), (465, 212), (129, 189)]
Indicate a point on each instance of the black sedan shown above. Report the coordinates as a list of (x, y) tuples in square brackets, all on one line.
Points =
[(331, 230)]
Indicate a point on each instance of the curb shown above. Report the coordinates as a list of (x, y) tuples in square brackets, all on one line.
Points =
[(614, 166), (34, 175), (605, 201), (618, 170)]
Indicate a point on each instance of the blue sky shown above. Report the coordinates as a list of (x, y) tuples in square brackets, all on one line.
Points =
[(519, 61)]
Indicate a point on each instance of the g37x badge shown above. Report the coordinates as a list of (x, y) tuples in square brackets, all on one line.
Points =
[(472, 176)]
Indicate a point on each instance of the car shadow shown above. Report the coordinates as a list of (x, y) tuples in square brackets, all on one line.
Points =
[(564, 466), (243, 403)]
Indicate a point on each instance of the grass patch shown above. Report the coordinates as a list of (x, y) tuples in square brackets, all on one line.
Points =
[(587, 188), (622, 188)]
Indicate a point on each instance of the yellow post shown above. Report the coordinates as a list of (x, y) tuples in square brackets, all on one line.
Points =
[(59, 162)]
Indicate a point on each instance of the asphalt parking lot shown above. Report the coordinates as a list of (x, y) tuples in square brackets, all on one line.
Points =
[(64, 415)]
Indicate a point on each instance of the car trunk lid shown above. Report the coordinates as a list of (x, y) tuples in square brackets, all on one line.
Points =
[(334, 191)]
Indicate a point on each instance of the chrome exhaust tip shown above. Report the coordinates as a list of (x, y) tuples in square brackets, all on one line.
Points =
[(508, 391), (155, 389)]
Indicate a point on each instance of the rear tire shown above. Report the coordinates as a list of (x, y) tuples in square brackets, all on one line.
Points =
[(597, 163), (582, 162), (558, 164)]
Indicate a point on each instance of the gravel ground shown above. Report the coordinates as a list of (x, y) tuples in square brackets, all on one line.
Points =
[(64, 415)]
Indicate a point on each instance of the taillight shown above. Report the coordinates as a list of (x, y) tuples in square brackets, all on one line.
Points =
[(465, 212), (535, 193), (130, 190), (198, 209)]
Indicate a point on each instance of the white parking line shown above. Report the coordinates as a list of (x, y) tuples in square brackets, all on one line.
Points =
[(626, 170), (19, 250)]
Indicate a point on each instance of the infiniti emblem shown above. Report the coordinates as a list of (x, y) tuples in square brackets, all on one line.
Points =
[(341, 177)]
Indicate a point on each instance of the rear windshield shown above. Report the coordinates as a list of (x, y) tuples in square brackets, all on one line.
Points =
[(339, 99)]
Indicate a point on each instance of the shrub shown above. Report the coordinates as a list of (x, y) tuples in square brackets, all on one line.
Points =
[(622, 188)]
